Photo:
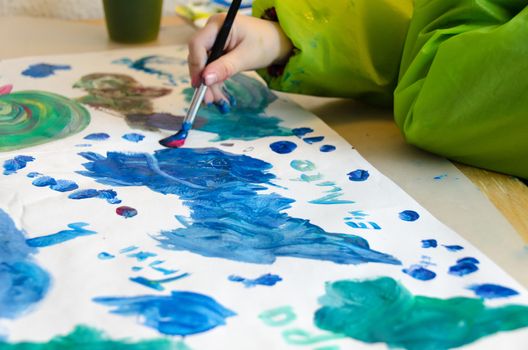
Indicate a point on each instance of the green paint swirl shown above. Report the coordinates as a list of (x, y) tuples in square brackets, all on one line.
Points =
[(83, 337), (383, 310), (29, 118)]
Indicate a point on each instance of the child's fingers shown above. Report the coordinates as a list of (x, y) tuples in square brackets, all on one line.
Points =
[(223, 68)]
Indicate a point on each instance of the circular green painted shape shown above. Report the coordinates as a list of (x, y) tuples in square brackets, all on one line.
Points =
[(29, 118)]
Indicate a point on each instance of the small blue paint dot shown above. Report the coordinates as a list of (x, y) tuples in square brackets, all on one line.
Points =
[(492, 291), (453, 248), (468, 260), (358, 175), (97, 136), (327, 148), (283, 147), (420, 273), (300, 132), (44, 181), (133, 137), (105, 256), (429, 243), (409, 215), (315, 139), (463, 268)]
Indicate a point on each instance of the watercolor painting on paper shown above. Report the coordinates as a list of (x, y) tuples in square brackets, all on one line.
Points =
[(266, 230)]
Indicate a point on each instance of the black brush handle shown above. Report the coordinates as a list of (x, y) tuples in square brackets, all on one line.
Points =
[(220, 41)]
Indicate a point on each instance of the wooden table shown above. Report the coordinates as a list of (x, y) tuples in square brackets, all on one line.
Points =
[(462, 199)]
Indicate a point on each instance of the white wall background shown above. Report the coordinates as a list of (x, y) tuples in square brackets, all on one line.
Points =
[(68, 9)]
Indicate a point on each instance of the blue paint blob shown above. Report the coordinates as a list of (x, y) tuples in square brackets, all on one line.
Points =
[(133, 137), (44, 181), (409, 215), (453, 248), (126, 212), (223, 106), (315, 139), (33, 174), (420, 273), (136, 268), (492, 291), (109, 195), (327, 148), (101, 136), (283, 147), (264, 280), (142, 256), (230, 217), (77, 229), (43, 70), (429, 243), (180, 313), (468, 259), (358, 175), (300, 132), (22, 282), (64, 186), (19, 162), (463, 268), (105, 256)]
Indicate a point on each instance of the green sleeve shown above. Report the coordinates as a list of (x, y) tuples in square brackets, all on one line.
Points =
[(463, 87), (348, 48)]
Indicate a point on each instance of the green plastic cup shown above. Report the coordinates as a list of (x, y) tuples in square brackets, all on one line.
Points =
[(133, 21)]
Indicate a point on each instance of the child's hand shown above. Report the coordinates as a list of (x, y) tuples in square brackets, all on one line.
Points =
[(252, 43)]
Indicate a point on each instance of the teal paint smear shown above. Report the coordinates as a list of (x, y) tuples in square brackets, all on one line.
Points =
[(247, 120), (383, 310), (83, 337)]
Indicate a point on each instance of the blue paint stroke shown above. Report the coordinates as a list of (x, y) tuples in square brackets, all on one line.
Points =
[(18, 162), (142, 256), (229, 216), (33, 174), (327, 148), (409, 215), (157, 284), (492, 291), (464, 267), (109, 195), (22, 282), (312, 140), (420, 273), (144, 65), (180, 313), (105, 256), (154, 265), (136, 268), (453, 248), (64, 186), (429, 243), (43, 70), (300, 132), (283, 147), (358, 175), (264, 280), (100, 136), (77, 230), (440, 177), (133, 137), (468, 259), (44, 181), (128, 249)]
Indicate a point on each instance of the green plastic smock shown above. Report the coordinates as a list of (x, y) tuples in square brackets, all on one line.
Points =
[(456, 71)]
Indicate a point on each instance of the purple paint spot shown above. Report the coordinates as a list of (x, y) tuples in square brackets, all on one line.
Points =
[(358, 175), (43, 70), (227, 144), (300, 132), (19, 162), (44, 181), (105, 256), (264, 280), (429, 243), (453, 248), (64, 186), (492, 291), (409, 215), (315, 139), (126, 212), (283, 147), (420, 273), (327, 148), (133, 137), (101, 136)]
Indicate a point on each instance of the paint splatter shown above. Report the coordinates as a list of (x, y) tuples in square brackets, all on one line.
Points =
[(283, 147), (180, 313), (358, 175), (84, 337), (300, 132), (99, 136), (43, 70), (126, 212), (409, 215), (327, 148), (77, 229), (453, 248), (157, 284), (312, 140), (359, 309), (420, 273), (264, 280), (29, 118), (109, 195), (429, 243), (133, 137), (105, 256), (18, 162), (23, 282), (251, 226), (6, 89), (492, 291)]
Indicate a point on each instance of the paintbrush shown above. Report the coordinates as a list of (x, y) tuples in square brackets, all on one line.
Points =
[(178, 139)]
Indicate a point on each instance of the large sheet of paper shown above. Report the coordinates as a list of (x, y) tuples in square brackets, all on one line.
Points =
[(266, 230)]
